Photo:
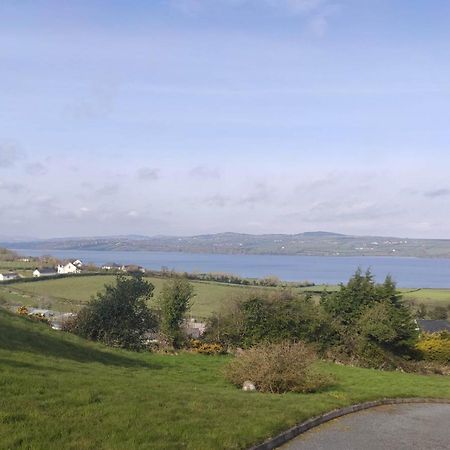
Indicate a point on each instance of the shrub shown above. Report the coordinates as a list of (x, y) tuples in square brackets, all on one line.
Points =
[(435, 347), (22, 311), (277, 368), (207, 348)]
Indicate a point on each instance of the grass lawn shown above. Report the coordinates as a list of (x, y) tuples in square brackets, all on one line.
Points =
[(69, 294), (61, 392)]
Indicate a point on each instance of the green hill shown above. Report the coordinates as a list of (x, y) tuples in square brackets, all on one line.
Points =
[(61, 392)]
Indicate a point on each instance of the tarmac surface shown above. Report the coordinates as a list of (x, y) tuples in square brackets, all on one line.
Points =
[(391, 427)]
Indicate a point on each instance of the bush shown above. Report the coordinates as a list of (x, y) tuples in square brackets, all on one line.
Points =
[(435, 347), (207, 348), (277, 368)]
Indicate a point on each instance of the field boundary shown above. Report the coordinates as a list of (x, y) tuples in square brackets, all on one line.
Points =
[(300, 428)]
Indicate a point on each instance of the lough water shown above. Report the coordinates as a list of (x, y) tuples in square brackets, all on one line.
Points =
[(408, 272)]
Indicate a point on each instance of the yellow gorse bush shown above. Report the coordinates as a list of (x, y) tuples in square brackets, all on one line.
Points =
[(207, 348), (435, 346)]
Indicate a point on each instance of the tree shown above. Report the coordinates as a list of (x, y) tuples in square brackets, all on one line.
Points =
[(175, 302), (372, 313), (118, 317)]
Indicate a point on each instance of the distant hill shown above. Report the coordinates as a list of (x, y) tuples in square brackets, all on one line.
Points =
[(310, 243)]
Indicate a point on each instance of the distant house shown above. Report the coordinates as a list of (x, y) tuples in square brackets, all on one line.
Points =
[(78, 263), (193, 328), (9, 276), (433, 326), (132, 268), (68, 268), (44, 272), (111, 266)]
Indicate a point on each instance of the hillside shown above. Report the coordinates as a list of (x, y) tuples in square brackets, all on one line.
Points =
[(61, 392), (310, 243)]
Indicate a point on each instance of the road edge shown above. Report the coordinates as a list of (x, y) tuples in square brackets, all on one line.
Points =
[(300, 428)]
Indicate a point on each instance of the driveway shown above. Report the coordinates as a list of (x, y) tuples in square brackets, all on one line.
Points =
[(391, 427)]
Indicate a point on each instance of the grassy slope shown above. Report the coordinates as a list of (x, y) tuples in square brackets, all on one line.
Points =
[(61, 392)]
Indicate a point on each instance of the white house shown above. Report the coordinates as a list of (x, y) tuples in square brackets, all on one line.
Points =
[(8, 276), (78, 263), (44, 272), (68, 268)]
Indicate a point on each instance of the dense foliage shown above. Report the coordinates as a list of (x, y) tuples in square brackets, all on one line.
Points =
[(435, 346), (119, 316), (175, 302), (371, 320), (270, 317), (363, 322)]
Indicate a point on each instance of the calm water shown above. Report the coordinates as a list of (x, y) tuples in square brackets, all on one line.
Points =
[(408, 272)]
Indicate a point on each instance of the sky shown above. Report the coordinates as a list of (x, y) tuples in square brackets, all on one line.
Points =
[(183, 117)]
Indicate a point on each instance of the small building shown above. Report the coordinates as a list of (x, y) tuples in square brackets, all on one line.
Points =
[(132, 268), (111, 266), (433, 326), (44, 272), (78, 263), (6, 276), (68, 268), (193, 328)]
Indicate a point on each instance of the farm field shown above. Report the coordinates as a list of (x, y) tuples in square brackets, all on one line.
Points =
[(430, 297), (23, 268), (69, 294), (76, 394)]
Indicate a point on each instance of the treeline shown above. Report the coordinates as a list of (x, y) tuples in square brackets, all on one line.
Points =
[(8, 255), (223, 277)]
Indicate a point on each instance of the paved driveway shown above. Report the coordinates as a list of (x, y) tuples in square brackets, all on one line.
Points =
[(393, 427)]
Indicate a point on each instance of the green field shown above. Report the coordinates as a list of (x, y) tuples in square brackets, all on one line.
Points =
[(23, 268), (69, 294), (430, 297), (61, 392)]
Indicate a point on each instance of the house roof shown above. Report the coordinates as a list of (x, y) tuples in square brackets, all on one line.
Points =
[(9, 274), (433, 326), (47, 270)]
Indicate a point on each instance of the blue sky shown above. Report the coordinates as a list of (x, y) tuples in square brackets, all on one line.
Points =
[(198, 116)]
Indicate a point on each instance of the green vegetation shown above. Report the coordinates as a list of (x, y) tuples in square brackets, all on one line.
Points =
[(362, 323), (174, 303), (119, 316), (435, 346), (59, 391)]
